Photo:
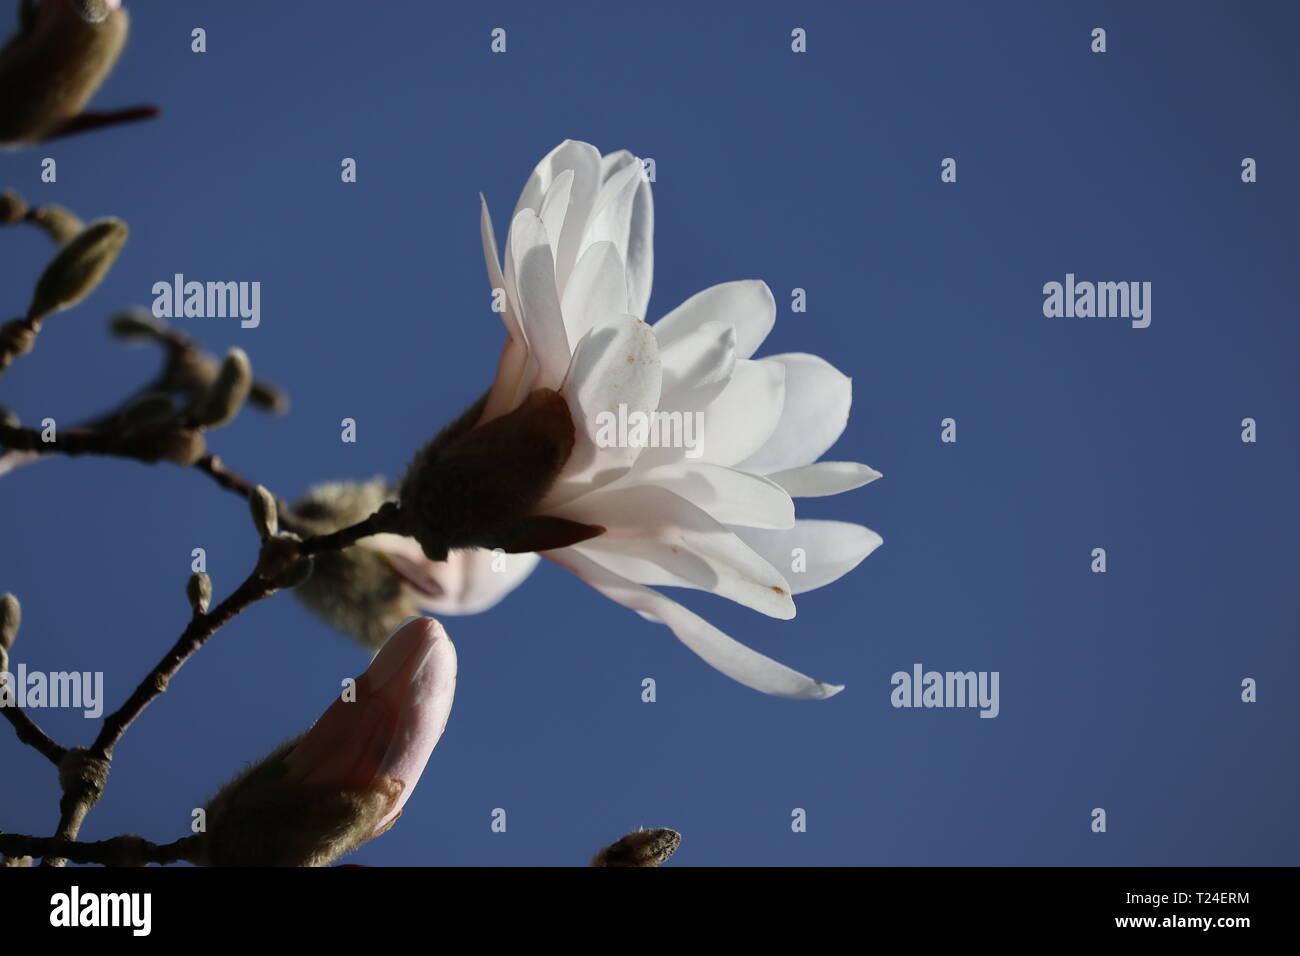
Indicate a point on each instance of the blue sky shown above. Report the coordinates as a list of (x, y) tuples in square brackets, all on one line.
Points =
[(819, 171)]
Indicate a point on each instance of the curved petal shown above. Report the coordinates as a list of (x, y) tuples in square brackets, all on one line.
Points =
[(468, 582), (725, 494), (555, 209), (539, 303), (584, 161), (824, 478), (655, 537), (746, 304), (741, 420), (720, 651), (827, 550), (615, 371), (697, 366), (596, 291), (816, 409), (638, 253)]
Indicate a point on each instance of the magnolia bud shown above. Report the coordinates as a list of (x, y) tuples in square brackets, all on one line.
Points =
[(268, 397), (136, 325), (480, 487), (640, 848), (11, 615), (220, 402), (199, 591), (153, 408), (12, 207), (52, 67), (78, 267), (59, 224), (266, 517), (181, 446), (92, 11), (345, 780), (17, 336), (356, 589)]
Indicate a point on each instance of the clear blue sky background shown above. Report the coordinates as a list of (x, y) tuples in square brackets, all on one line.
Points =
[(819, 171)]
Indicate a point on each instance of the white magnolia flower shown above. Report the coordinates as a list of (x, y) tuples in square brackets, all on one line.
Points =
[(577, 273)]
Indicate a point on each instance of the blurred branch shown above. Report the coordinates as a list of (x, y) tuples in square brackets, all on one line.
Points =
[(119, 851)]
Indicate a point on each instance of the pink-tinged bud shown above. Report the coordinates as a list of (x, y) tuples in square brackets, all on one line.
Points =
[(402, 704), (346, 779)]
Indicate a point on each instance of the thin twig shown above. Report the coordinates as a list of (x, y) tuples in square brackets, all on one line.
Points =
[(30, 733), (119, 851)]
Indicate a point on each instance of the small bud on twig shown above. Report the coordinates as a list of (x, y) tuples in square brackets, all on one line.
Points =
[(266, 516), (92, 11), (59, 224), (268, 397), (221, 401), (136, 325), (17, 336), (12, 207), (199, 591), (640, 848), (78, 267), (346, 780), (11, 615)]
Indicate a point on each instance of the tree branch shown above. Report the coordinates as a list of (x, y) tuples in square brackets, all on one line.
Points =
[(119, 851)]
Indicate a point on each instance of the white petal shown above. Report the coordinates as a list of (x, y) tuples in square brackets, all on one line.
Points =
[(495, 276), (584, 160), (638, 253), (727, 495), (697, 367), (615, 364), (555, 207), (618, 207), (746, 304), (830, 550), (596, 291), (743, 417), (816, 409), (824, 478), (539, 303), (468, 582), (724, 653), (656, 537)]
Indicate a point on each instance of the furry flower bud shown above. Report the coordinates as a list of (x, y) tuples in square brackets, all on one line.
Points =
[(221, 401), (60, 224), (640, 848), (78, 267), (344, 781), (136, 325), (12, 207), (266, 517), (11, 615), (199, 591)]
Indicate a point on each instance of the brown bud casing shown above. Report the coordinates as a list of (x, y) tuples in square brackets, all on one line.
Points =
[(480, 486)]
